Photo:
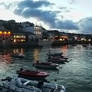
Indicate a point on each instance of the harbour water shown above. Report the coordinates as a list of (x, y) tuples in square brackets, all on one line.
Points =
[(75, 75)]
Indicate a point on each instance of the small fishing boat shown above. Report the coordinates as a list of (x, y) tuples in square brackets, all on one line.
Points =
[(24, 85), (55, 54), (63, 57), (57, 61), (47, 65), (34, 75)]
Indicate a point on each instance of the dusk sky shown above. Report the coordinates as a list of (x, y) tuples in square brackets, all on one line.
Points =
[(65, 15)]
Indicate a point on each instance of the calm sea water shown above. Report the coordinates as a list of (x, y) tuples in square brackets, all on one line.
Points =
[(76, 75)]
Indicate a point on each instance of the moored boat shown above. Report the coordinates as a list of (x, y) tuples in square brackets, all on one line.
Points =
[(63, 57), (34, 75), (55, 54), (57, 61), (57, 58), (47, 65)]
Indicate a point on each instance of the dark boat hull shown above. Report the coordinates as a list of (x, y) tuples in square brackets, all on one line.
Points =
[(46, 67), (57, 61), (32, 75), (33, 78)]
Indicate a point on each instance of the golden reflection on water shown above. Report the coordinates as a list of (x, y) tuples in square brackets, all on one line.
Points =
[(18, 51), (36, 55)]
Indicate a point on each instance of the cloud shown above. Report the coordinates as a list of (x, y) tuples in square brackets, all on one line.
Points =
[(30, 8), (72, 1), (67, 24), (34, 4), (47, 16), (33, 9), (7, 6), (85, 25), (64, 9)]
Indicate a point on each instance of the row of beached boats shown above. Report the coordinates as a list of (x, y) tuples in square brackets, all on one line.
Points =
[(29, 81), (46, 65)]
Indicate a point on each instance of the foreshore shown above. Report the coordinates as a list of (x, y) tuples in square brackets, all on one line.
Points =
[(42, 43)]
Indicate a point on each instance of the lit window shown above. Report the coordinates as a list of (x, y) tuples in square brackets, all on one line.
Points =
[(14, 40), (17, 36), (9, 32), (22, 40), (89, 40), (5, 32), (60, 39), (14, 36)]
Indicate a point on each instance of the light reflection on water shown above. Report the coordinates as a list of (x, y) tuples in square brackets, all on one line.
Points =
[(75, 75), (18, 51), (36, 54), (64, 49)]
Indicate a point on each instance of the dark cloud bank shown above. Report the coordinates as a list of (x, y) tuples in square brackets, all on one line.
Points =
[(86, 25), (30, 8)]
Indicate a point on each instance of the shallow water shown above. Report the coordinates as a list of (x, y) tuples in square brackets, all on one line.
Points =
[(76, 75)]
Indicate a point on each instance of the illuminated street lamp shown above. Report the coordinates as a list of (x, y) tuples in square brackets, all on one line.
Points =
[(5, 33), (0, 32)]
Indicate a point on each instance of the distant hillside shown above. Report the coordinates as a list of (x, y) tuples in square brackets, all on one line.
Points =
[(16, 26)]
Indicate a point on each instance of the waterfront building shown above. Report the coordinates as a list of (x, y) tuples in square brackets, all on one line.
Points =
[(18, 38), (38, 31), (24, 39), (52, 34), (5, 38), (8, 39)]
